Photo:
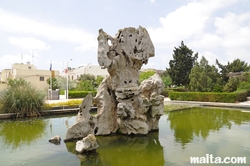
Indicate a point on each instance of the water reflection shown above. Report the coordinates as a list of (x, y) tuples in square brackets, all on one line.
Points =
[(16, 133), (201, 121), (123, 150)]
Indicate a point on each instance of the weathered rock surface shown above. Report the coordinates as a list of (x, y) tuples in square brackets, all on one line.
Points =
[(123, 106), (88, 143), (55, 140), (85, 122), (137, 109)]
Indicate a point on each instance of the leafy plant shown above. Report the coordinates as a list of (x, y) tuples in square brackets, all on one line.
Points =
[(22, 98), (145, 75)]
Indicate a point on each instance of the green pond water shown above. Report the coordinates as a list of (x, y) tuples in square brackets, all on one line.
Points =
[(182, 134)]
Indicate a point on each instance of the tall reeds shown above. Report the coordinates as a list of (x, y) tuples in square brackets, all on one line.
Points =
[(22, 98)]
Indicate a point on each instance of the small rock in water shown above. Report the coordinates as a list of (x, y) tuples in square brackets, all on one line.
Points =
[(88, 143), (55, 140)]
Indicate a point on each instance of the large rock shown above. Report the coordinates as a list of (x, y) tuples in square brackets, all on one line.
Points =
[(106, 109), (85, 123), (122, 105), (135, 110)]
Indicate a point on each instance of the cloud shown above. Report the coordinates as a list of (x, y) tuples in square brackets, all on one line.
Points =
[(28, 43), (234, 29), (205, 41), (225, 38), (186, 21), (6, 61), (18, 24)]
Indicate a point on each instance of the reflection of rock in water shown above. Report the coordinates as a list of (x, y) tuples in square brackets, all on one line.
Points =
[(124, 150)]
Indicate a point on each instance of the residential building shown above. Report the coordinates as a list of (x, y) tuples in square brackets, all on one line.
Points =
[(5, 75), (95, 70), (30, 73)]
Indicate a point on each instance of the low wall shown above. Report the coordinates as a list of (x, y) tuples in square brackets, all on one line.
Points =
[(3, 86)]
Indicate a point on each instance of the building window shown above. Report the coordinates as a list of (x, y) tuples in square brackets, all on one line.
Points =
[(41, 78), (29, 67)]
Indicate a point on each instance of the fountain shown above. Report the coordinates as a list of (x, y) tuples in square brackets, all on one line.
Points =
[(123, 104)]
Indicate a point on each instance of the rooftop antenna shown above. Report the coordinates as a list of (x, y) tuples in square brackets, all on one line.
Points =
[(33, 57), (21, 58)]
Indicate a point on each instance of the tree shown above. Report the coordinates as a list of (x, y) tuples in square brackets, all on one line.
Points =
[(166, 78), (62, 82), (231, 85), (88, 82), (238, 66), (181, 65), (54, 83), (98, 80), (223, 72), (204, 78), (86, 85)]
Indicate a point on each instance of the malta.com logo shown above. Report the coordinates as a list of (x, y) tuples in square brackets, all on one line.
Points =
[(210, 159)]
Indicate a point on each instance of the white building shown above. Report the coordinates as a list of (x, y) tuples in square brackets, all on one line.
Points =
[(95, 70)]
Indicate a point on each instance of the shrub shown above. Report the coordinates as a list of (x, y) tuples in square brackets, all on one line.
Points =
[(231, 85), (244, 85), (22, 98), (145, 75), (80, 94), (209, 96)]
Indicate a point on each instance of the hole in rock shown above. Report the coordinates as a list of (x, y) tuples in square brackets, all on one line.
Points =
[(109, 42), (96, 130)]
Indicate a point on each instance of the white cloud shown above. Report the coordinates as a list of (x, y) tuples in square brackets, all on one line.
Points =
[(28, 43), (152, 1), (18, 24), (184, 22), (234, 29), (205, 41), (6, 61)]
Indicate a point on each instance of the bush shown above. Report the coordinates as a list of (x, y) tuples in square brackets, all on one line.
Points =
[(80, 94), (244, 85), (231, 85), (145, 75), (22, 98), (209, 96)]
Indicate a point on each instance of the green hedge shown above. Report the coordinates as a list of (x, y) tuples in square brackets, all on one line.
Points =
[(166, 91), (80, 94), (209, 96)]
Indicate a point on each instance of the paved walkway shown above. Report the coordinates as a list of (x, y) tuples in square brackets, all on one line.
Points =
[(241, 105)]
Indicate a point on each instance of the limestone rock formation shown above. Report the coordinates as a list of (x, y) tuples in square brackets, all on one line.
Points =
[(88, 143), (123, 106), (85, 122), (137, 109)]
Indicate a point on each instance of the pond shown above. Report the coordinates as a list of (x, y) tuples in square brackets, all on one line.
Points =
[(182, 134)]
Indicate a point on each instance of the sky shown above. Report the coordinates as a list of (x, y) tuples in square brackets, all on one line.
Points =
[(45, 31)]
